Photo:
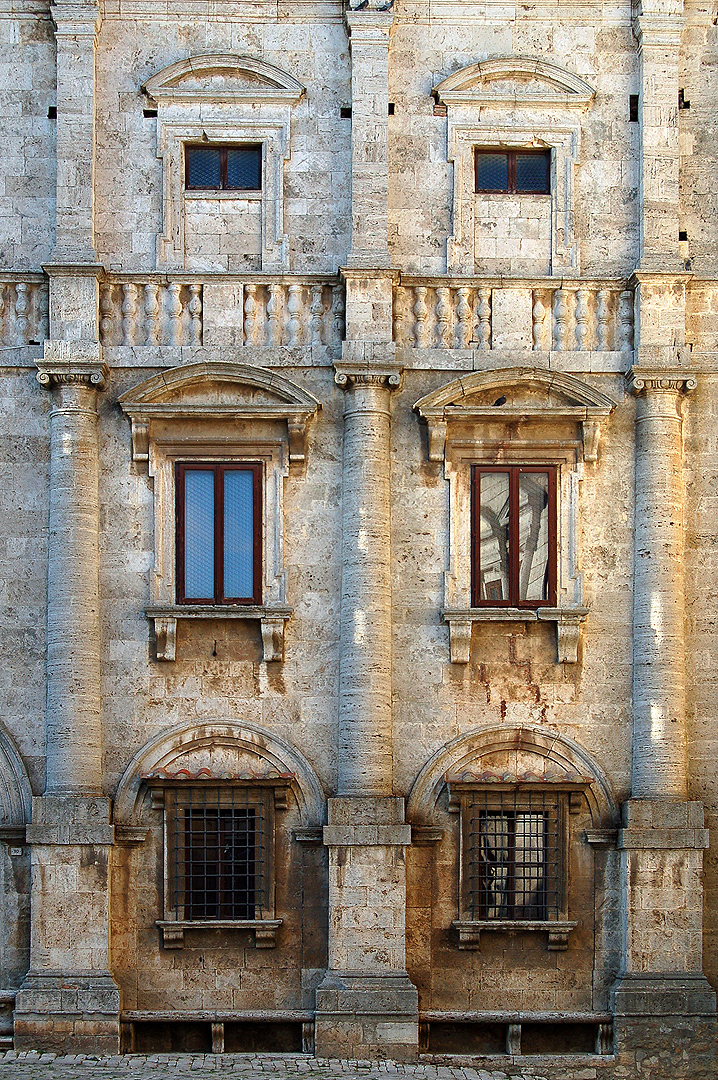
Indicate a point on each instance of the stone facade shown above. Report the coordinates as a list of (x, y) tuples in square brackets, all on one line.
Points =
[(368, 332)]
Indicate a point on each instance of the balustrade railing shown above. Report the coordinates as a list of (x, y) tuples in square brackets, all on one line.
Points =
[(135, 311), (23, 309), (565, 316)]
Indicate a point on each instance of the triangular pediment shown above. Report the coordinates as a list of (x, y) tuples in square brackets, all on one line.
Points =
[(530, 391), (223, 77), (516, 80)]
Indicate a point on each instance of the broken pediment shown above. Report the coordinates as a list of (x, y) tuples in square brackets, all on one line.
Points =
[(514, 394), (223, 77), (514, 80)]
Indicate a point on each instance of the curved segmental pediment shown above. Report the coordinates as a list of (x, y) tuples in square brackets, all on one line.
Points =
[(532, 389), (223, 77), (516, 80), (218, 390)]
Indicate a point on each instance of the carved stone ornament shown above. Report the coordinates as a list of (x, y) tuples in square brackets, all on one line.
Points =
[(72, 362), (387, 375), (656, 381)]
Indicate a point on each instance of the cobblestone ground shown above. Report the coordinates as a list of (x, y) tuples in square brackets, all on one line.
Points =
[(35, 1066)]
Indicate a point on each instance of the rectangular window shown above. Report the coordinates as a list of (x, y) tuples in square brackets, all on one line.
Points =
[(514, 546), (520, 172), (219, 529), (218, 852), (223, 168), (513, 855)]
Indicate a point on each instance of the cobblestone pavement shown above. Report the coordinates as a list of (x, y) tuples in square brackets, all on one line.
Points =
[(31, 1065)]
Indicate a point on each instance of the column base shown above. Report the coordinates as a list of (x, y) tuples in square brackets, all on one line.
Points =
[(663, 994), (367, 1017), (68, 1013)]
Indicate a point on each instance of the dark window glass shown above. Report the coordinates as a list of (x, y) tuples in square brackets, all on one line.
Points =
[(514, 537), (223, 168), (513, 171), (220, 856), (218, 534)]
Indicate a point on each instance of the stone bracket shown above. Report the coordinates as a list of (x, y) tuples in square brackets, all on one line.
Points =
[(265, 930), (605, 838), (311, 835), (568, 623), (469, 931), (423, 835), (272, 622)]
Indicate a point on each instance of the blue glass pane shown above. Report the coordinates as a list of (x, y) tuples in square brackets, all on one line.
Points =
[(492, 172), (238, 534), (198, 534), (532, 172), (203, 167), (244, 168)]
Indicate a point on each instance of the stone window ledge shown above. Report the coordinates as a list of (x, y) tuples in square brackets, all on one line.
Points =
[(272, 620), (470, 930), (568, 622), (265, 930)]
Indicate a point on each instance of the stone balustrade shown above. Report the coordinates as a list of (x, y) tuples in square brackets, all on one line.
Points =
[(560, 315), (23, 309), (274, 312)]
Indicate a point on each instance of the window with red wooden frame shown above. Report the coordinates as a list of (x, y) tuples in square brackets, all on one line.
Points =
[(512, 172), (219, 533), (513, 536)]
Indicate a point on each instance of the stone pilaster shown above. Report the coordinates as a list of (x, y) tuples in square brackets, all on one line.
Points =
[(69, 1000), (662, 840)]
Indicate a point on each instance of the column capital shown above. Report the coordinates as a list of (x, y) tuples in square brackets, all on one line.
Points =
[(72, 362), (350, 374), (642, 380), (73, 20), (372, 24)]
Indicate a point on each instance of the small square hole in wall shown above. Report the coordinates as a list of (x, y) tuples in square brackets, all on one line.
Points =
[(633, 108), (149, 114), (52, 112), (682, 103), (345, 112), (391, 108), (682, 234)]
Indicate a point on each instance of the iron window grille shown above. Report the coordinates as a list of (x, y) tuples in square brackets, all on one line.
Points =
[(219, 533), (514, 858), (219, 853), (512, 172), (223, 168), (514, 549)]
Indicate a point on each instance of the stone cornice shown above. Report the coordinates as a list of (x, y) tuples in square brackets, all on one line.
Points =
[(656, 380), (78, 362)]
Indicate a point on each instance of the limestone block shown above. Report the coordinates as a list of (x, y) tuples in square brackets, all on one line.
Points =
[(511, 319)]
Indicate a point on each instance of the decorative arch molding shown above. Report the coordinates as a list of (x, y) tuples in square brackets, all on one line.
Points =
[(575, 392), (223, 77), (537, 83), (559, 753), (15, 789), (215, 742)]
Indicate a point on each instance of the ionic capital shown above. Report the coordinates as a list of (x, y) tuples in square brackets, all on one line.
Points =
[(643, 380), (78, 363), (349, 375)]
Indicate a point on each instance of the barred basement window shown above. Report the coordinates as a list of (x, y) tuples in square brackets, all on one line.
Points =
[(219, 857), (223, 168), (514, 858), (519, 172)]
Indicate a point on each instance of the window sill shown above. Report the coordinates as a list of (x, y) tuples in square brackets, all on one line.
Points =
[(470, 931), (568, 623), (265, 930), (272, 620), (249, 195)]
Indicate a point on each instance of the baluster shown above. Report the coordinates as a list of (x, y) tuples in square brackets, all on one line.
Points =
[(625, 321), (128, 313), (603, 320), (106, 315), (464, 328), (294, 307), (484, 314), (421, 331), (443, 317), (399, 316), (316, 312), (2, 311), (582, 314), (43, 304), (22, 307), (195, 311), (152, 310), (250, 315), (560, 315), (539, 317), (174, 309), (338, 314), (274, 308)]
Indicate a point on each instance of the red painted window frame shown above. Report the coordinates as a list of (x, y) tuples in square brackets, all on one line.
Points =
[(219, 469), (514, 472), (510, 189)]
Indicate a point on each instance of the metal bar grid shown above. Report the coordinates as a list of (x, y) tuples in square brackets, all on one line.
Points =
[(219, 859), (514, 855)]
